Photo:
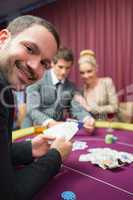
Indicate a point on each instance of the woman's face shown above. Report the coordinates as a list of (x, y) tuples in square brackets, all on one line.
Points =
[(88, 73)]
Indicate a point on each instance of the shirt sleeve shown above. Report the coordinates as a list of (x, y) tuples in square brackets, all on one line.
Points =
[(21, 153), (34, 104)]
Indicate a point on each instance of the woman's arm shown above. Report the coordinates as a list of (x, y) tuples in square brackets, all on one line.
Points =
[(112, 99)]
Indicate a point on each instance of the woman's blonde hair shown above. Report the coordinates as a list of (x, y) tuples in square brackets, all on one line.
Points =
[(87, 56)]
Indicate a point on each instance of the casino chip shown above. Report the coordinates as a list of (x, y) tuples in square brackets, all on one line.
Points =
[(68, 195), (109, 139)]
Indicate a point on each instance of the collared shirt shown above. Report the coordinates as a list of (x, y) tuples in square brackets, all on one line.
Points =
[(55, 80)]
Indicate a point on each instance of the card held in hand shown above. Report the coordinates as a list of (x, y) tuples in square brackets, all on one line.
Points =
[(66, 130)]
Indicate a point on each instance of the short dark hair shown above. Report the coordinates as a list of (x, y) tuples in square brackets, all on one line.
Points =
[(21, 23), (65, 54)]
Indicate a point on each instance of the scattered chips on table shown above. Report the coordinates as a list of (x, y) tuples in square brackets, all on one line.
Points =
[(107, 158)]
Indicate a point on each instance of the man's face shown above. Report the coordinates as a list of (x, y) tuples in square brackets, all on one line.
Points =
[(26, 55), (62, 69)]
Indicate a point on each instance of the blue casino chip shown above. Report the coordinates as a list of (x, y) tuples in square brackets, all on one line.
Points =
[(68, 195)]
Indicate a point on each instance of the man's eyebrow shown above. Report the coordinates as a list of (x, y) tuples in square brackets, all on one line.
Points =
[(63, 66)]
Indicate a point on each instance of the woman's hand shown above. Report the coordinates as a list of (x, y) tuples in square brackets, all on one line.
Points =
[(89, 124)]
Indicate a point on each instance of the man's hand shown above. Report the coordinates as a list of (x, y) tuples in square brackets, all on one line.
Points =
[(52, 123), (89, 124), (62, 146), (40, 145)]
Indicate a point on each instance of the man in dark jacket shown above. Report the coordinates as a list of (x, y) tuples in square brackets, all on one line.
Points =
[(26, 48)]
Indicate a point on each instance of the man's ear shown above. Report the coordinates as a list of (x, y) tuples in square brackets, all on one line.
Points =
[(4, 36)]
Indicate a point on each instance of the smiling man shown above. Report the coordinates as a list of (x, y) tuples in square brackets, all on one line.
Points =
[(26, 53), (26, 49)]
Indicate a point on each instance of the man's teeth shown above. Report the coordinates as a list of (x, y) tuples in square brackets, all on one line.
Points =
[(28, 75)]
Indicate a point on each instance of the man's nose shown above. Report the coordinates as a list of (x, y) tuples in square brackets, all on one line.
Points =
[(64, 71), (34, 63), (86, 76), (36, 66)]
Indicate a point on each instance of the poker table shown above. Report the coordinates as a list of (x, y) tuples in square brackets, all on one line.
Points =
[(89, 181)]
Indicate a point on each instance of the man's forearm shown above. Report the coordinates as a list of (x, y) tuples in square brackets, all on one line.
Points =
[(38, 117)]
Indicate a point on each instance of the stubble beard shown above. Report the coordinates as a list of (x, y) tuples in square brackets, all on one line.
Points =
[(5, 65)]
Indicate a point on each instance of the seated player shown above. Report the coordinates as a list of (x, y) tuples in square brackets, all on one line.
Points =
[(98, 95), (51, 98)]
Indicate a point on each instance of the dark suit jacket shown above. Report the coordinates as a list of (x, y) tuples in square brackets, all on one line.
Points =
[(17, 153), (42, 101)]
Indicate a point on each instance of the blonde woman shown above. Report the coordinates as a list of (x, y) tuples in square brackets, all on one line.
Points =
[(99, 94)]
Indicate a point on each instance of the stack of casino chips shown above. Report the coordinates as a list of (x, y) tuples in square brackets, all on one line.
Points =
[(109, 139)]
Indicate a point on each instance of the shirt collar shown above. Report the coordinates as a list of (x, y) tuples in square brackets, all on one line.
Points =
[(54, 78)]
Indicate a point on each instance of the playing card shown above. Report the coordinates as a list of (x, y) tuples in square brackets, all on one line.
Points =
[(66, 130), (79, 145)]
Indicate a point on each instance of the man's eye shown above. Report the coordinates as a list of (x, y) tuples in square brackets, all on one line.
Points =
[(61, 67), (89, 71), (30, 49)]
